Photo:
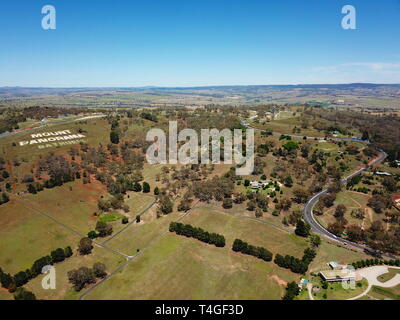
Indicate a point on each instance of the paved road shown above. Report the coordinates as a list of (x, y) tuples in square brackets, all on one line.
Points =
[(318, 228), (308, 208)]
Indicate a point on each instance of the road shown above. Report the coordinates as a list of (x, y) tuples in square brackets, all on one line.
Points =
[(318, 228), (308, 208)]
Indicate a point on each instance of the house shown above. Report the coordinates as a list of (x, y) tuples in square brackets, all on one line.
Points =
[(382, 173), (338, 275), (255, 184), (303, 283), (335, 266)]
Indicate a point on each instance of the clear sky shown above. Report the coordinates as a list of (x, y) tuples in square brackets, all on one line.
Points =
[(198, 42)]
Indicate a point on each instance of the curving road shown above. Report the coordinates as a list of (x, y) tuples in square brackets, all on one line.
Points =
[(308, 208), (318, 228)]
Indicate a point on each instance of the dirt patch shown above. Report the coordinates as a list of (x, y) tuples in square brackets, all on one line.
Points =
[(278, 280)]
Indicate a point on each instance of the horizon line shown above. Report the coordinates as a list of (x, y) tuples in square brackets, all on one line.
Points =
[(199, 86)]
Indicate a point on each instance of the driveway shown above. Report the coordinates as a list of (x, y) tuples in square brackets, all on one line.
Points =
[(372, 274)]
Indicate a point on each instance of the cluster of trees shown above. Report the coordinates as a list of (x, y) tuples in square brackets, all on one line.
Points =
[(216, 188), (197, 233), (84, 275), (294, 264), (23, 294), (382, 130), (103, 229), (21, 278), (259, 252), (380, 202), (374, 262), (292, 290), (59, 170), (302, 229)]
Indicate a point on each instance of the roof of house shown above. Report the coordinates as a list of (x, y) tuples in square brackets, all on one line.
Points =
[(334, 264), (338, 274)]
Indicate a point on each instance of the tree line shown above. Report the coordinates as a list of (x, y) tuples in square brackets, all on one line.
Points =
[(258, 252), (294, 264), (11, 283), (374, 262), (197, 233)]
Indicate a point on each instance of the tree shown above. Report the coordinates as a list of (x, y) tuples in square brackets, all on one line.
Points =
[(251, 205), (58, 255), (390, 183), (23, 294), (288, 181), (259, 213), (291, 146), (340, 211), (103, 228), (138, 219), (328, 199), (21, 278), (292, 290), (315, 240), (165, 205), (81, 277), (146, 187), (114, 137), (99, 270), (156, 191), (300, 195), (336, 228), (92, 234), (302, 229), (379, 202), (6, 280), (85, 246), (68, 252), (227, 203), (137, 187), (32, 189)]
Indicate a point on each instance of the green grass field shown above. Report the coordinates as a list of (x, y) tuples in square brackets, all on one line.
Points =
[(26, 236), (64, 289), (385, 293), (389, 275)]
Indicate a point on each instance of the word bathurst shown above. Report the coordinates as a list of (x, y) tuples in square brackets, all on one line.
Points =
[(193, 152), (65, 136)]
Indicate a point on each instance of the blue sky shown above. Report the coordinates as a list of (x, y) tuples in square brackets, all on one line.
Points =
[(198, 42)]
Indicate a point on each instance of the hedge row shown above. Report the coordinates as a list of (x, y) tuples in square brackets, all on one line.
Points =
[(11, 283), (197, 233), (259, 252), (374, 262), (294, 264)]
